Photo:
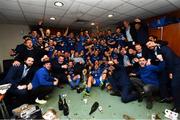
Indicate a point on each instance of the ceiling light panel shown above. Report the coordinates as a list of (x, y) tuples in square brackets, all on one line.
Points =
[(67, 4), (52, 18), (58, 4)]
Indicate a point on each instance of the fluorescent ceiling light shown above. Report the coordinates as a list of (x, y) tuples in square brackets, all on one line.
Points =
[(52, 18), (92, 23), (110, 15), (58, 4)]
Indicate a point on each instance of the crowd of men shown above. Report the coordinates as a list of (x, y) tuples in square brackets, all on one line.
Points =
[(129, 62)]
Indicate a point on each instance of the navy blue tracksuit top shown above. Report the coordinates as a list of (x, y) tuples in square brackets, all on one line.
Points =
[(42, 78)]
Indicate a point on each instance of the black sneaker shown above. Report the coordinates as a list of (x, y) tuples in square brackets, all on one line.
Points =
[(140, 99), (115, 93), (80, 89), (175, 110), (166, 100), (73, 88), (103, 86), (149, 104), (141, 96)]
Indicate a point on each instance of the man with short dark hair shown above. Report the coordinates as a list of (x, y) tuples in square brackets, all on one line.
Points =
[(59, 69), (29, 50), (19, 77), (156, 40), (42, 83), (172, 66), (20, 47), (119, 37), (148, 84)]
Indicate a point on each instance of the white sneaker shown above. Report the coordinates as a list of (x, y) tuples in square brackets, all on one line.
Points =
[(40, 101)]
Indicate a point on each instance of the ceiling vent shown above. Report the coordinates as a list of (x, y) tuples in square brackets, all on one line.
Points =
[(82, 21)]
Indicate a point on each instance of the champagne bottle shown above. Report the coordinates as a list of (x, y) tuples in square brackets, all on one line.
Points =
[(60, 103), (94, 108), (65, 108)]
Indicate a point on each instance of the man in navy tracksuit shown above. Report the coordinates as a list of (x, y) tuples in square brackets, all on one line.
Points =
[(173, 67), (120, 82), (148, 84), (42, 83)]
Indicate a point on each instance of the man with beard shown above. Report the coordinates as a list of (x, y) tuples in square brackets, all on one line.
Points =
[(19, 77), (172, 67), (29, 50)]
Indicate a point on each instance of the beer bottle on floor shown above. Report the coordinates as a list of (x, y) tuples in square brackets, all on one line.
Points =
[(65, 108), (60, 103)]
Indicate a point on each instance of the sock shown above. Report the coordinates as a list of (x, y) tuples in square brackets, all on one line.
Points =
[(88, 89), (105, 81)]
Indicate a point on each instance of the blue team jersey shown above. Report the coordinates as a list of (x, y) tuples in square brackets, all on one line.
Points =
[(50, 52), (58, 39), (34, 40), (96, 73), (96, 46), (120, 39), (71, 44), (110, 39), (82, 39), (61, 48), (80, 44), (94, 58), (71, 72)]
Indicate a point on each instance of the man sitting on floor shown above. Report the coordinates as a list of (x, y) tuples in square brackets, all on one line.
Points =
[(96, 78), (42, 84), (19, 77), (74, 79), (121, 84)]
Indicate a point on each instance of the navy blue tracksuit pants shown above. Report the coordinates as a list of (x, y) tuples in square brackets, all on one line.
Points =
[(120, 82), (176, 86)]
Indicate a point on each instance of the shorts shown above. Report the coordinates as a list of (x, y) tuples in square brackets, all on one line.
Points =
[(97, 82)]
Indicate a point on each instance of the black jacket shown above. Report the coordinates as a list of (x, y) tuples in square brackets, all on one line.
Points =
[(15, 73)]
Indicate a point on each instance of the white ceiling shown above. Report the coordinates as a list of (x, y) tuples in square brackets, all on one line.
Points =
[(30, 11)]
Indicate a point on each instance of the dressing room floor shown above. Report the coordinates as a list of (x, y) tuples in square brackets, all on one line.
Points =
[(112, 107)]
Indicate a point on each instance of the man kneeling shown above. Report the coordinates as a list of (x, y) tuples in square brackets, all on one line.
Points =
[(148, 84)]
